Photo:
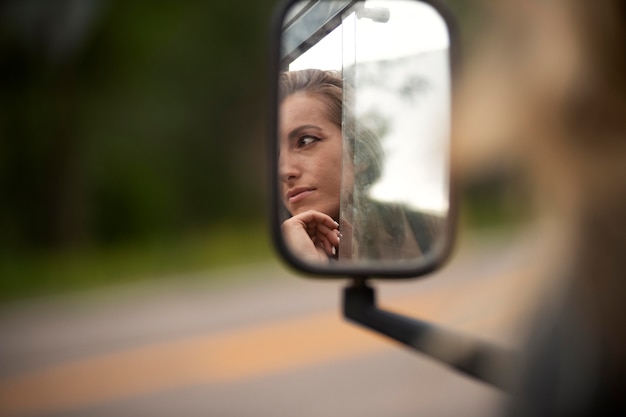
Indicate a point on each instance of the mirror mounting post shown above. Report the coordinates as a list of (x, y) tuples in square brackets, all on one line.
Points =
[(473, 357)]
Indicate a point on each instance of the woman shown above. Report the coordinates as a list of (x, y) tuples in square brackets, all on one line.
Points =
[(312, 180), (310, 162)]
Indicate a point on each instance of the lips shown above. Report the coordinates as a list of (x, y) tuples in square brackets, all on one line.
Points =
[(297, 194)]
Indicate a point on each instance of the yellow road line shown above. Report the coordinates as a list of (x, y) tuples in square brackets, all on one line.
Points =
[(229, 356), (226, 357)]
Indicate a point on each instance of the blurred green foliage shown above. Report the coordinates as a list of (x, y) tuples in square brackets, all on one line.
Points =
[(143, 120), (127, 122)]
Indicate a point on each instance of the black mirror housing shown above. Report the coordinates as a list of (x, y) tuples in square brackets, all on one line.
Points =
[(391, 213)]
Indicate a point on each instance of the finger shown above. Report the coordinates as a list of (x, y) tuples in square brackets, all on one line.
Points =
[(328, 248), (318, 228), (332, 235), (330, 242), (313, 216)]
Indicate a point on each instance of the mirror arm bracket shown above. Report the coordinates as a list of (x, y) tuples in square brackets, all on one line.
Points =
[(468, 355)]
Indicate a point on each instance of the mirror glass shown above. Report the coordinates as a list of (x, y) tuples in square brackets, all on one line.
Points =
[(363, 135)]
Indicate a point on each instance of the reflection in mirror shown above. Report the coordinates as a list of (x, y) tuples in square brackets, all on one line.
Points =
[(363, 126)]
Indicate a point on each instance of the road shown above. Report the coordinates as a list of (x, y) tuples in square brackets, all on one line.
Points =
[(271, 345)]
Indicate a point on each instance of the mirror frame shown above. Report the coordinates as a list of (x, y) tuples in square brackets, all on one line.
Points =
[(336, 270)]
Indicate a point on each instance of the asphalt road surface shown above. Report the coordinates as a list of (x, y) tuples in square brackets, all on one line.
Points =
[(262, 342)]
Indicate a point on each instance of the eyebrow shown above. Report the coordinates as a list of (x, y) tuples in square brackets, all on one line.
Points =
[(294, 133)]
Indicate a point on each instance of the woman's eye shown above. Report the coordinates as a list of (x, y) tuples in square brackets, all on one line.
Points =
[(306, 140)]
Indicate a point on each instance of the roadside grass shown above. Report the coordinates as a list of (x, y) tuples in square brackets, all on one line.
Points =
[(30, 275)]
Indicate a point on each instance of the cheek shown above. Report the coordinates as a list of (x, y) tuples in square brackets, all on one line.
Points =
[(333, 171), (326, 176)]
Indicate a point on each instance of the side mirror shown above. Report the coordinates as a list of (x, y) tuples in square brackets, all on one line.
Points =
[(360, 140), (360, 151)]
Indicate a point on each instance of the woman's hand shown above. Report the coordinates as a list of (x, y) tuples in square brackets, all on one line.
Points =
[(312, 236)]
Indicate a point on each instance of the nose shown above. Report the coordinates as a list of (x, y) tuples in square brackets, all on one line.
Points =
[(288, 168)]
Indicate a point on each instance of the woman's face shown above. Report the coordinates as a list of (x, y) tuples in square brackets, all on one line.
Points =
[(310, 156)]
